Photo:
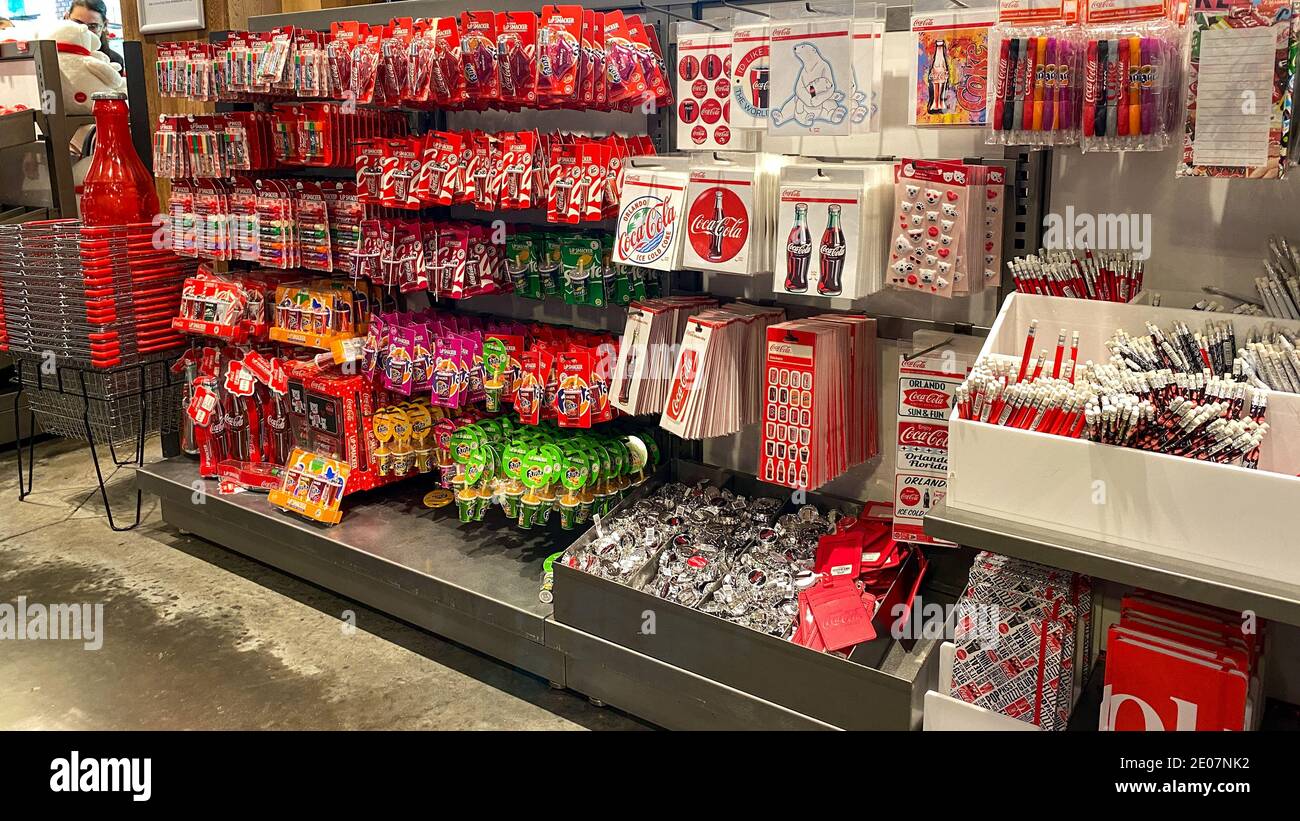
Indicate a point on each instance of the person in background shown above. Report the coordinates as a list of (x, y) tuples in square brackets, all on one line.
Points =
[(93, 14)]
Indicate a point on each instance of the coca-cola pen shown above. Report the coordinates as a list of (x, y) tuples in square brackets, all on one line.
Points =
[(1029, 350), (1038, 365), (1147, 115), (1053, 82), (1091, 85), (1066, 78), (1133, 48), (1021, 79), (1113, 90), (1121, 89), (1031, 75), (1011, 89), (1040, 86), (1074, 355), (1060, 354), (1000, 82)]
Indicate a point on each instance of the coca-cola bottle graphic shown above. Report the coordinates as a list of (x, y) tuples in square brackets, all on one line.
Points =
[(717, 229), (798, 251), (830, 256), (937, 79)]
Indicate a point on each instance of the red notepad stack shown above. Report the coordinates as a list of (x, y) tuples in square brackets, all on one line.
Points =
[(1176, 665)]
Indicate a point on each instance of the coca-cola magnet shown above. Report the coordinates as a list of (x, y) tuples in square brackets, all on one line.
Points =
[(719, 220), (703, 87)]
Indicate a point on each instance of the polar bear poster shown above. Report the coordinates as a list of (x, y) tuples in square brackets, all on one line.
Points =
[(811, 79)]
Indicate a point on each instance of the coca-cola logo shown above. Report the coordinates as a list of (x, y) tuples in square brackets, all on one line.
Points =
[(910, 497), (717, 224), (646, 228), (1090, 86), (924, 436), (925, 398)]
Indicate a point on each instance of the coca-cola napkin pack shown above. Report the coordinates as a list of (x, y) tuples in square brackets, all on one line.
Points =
[(1023, 639), (1177, 665), (831, 229)]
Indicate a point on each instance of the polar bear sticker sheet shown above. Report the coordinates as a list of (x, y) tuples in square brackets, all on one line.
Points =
[(811, 81)]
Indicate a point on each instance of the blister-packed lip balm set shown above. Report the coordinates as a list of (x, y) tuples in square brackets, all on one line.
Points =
[(563, 56)]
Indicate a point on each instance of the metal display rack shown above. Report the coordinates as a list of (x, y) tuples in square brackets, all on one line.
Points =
[(118, 407), (478, 584)]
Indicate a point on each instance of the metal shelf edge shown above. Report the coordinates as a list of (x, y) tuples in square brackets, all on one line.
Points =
[(1198, 582)]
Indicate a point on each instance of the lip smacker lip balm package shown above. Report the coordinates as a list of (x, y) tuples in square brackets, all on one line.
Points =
[(447, 85), (625, 79), (478, 54), (559, 41), (516, 56)]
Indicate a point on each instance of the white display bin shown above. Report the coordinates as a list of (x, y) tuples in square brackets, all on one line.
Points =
[(945, 713), (1217, 514)]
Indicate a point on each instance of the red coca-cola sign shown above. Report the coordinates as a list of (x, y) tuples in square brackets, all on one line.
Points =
[(925, 398), (717, 224), (910, 496), (923, 436)]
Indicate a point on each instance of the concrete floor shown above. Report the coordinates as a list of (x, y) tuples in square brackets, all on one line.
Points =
[(197, 637)]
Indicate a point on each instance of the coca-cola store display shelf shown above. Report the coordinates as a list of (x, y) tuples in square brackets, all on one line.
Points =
[(879, 686), (478, 584), (1143, 516)]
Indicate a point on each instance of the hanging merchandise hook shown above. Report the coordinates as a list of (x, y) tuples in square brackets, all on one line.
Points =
[(739, 7), (959, 4), (677, 16)]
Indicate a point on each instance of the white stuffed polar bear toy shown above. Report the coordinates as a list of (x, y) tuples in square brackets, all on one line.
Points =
[(84, 68), (815, 96)]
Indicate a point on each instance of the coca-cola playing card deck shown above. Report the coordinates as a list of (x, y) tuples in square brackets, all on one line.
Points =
[(715, 385)]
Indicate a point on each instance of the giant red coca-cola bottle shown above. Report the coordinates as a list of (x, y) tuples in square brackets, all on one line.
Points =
[(830, 256), (798, 251), (117, 189)]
